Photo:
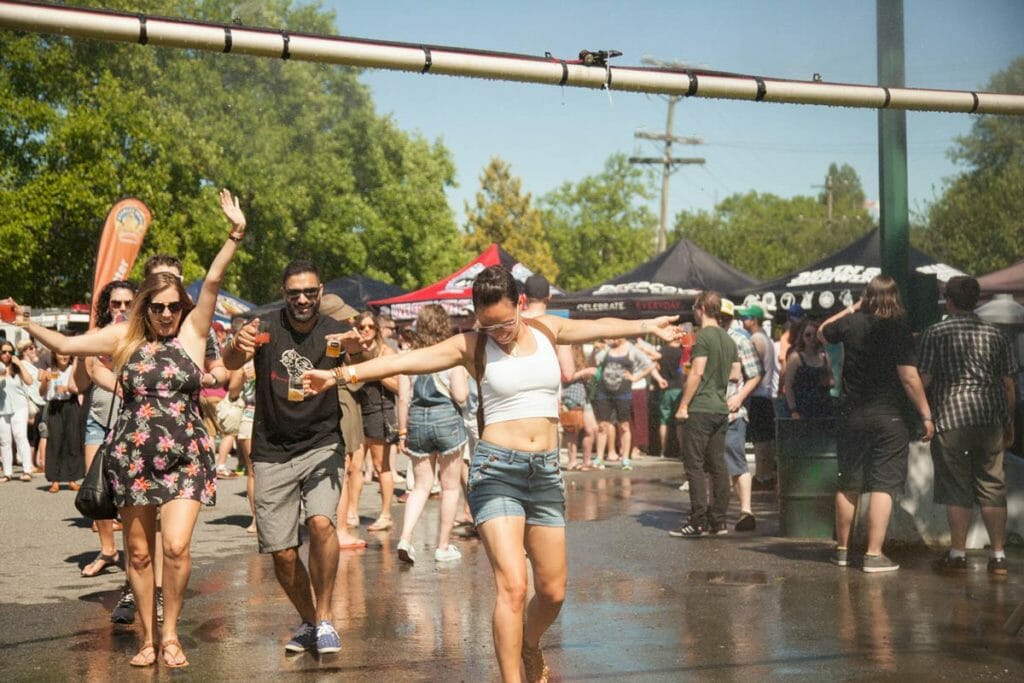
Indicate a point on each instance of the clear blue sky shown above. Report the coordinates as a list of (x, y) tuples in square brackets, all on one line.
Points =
[(551, 135)]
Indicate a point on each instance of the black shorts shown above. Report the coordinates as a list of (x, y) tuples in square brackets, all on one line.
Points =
[(873, 454), (613, 409), (760, 419), (373, 424)]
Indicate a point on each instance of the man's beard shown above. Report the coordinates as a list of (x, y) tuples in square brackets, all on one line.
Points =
[(306, 315)]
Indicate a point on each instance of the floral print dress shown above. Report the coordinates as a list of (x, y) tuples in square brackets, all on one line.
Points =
[(159, 449)]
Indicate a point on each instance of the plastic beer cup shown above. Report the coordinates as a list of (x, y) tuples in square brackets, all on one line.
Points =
[(295, 390)]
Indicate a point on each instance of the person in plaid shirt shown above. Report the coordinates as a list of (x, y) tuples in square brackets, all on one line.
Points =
[(968, 367), (739, 389)]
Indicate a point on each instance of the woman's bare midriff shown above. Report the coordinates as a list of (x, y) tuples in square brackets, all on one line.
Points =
[(533, 434)]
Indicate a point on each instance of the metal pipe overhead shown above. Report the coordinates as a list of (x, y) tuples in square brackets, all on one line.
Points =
[(453, 61)]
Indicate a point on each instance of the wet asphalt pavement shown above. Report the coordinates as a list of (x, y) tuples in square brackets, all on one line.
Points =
[(641, 606)]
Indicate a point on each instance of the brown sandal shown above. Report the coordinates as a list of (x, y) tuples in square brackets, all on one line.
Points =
[(141, 659), (175, 664)]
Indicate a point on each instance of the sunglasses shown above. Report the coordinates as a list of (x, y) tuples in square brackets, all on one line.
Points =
[(120, 304), (158, 309), (371, 326), (500, 327), (6, 352), (308, 292)]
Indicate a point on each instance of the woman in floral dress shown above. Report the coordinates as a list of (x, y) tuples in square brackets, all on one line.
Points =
[(160, 457)]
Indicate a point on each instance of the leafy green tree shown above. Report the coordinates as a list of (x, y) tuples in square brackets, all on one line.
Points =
[(319, 172), (765, 235), (977, 224), (600, 226), (502, 213)]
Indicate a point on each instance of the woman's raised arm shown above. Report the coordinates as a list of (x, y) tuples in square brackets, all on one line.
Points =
[(197, 326)]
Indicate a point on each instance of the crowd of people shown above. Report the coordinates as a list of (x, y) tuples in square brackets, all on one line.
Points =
[(304, 394)]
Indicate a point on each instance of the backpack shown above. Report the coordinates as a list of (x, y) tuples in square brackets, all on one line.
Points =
[(480, 361)]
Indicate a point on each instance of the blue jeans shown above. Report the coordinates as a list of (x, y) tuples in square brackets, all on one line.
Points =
[(507, 483)]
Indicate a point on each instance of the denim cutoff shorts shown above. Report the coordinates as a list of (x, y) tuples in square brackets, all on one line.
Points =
[(95, 433), (434, 429), (509, 483)]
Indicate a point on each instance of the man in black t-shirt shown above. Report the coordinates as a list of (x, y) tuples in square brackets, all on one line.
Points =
[(881, 390), (297, 449)]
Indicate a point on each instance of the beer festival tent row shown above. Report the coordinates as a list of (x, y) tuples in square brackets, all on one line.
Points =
[(455, 292), (837, 280), (355, 290), (665, 285)]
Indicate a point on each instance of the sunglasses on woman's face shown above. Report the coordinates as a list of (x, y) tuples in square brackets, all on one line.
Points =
[(158, 309), (367, 326)]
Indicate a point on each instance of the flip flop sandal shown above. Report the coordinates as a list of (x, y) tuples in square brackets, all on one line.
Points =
[(163, 650), (103, 561), (142, 660)]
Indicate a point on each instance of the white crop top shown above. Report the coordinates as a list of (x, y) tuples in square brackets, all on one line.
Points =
[(517, 387)]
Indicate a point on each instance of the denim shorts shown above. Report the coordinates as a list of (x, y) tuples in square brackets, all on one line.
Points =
[(95, 433), (509, 483), (434, 429)]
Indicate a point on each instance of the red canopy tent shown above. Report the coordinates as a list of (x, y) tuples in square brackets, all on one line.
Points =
[(454, 292)]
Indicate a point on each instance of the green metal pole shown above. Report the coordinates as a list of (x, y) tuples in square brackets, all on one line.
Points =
[(892, 149)]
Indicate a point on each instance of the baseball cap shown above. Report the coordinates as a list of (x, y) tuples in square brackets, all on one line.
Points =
[(537, 287), (728, 308), (797, 311), (218, 326), (751, 311), (335, 307)]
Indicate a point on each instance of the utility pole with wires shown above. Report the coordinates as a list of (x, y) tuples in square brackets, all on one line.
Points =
[(667, 161), (828, 195)]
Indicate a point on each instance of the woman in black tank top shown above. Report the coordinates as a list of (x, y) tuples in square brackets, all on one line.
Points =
[(380, 423)]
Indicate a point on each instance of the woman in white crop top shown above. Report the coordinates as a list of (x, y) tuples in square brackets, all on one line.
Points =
[(515, 487)]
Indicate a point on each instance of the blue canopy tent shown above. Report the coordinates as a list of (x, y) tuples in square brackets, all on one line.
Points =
[(228, 305)]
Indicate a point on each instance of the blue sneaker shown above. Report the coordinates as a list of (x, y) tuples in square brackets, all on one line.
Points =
[(304, 638), (327, 640), (627, 465)]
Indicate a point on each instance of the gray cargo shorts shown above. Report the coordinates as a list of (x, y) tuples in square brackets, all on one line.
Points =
[(310, 482)]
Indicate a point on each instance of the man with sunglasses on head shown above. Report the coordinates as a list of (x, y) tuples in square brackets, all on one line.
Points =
[(297, 448)]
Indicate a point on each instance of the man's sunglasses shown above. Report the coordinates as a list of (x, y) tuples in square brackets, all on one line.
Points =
[(158, 309), (125, 303), (309, 292)]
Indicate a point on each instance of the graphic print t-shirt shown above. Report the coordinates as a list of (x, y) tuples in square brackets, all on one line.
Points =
[(283, 429)]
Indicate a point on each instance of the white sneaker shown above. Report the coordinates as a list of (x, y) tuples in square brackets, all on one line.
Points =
[(449, 554), (406, 552)]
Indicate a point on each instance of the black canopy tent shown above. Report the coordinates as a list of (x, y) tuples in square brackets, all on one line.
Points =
[(665, 285), (836, 280), (355, 290)]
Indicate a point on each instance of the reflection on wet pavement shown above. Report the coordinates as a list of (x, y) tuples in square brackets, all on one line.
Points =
[(641, 606)]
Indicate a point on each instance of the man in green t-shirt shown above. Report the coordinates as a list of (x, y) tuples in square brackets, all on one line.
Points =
[(704, 418)]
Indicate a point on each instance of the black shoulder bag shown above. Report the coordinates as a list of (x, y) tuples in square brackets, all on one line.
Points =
[(93, 499)]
